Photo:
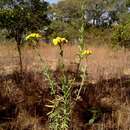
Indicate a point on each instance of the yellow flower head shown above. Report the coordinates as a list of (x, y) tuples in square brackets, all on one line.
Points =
[(64, 40), (59, 41), (56, 42), (33, 36), (58, 38), (85, 52)]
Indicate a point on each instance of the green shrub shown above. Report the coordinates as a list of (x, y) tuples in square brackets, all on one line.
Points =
[(64, 29), (121, 35)]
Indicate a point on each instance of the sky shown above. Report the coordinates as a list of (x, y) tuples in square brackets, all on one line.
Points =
[(52, 1)]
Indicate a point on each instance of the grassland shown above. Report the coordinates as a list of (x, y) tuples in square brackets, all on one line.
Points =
[(23, 98)]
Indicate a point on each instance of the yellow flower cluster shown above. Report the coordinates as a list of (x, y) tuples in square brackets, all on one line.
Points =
[(33, 36), (85, 52), (59, 41)]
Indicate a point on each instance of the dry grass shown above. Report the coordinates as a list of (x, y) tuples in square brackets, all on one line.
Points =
[(29, 94), (104, 63)]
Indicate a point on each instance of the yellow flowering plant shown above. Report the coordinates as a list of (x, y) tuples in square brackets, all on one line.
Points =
[(33, 38), (84, 53), (59, 41), (81, 72), (62, 103)]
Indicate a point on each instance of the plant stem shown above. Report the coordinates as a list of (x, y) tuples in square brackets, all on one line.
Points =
[(47, 73), (61, 59), (20, 57), (82, 82), (78, 67)]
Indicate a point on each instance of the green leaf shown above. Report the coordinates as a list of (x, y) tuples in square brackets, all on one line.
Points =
[(91, 121)]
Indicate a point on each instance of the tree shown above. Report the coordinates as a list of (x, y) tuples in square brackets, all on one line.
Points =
[(21, 16), (128, 3), (67, 18)]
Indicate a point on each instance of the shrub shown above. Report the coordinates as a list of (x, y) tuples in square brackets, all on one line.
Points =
[(121, 35), (64, 29)]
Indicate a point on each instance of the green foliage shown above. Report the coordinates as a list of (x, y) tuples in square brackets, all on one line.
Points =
[(2, 36), (124, 18), (70, 10), (63, 29), (18, 18), (61, 107), (128, 3), (62, 103), (121, 35), (60, 89), (96, 113), (52, 83)]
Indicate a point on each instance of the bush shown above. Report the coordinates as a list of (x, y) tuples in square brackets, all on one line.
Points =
[(121, 35), (64, 29)]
